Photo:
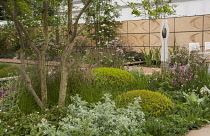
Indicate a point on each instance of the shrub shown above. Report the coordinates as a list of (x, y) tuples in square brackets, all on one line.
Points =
[(111, 76), (152, 102), (102, 118)]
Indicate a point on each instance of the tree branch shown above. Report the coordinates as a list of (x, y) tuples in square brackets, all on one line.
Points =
[(70, 7), (45, 26), (78, 17), (85, 25), (70, 38)]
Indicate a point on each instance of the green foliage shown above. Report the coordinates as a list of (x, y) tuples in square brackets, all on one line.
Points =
[(4, 65), (7, 70), (9, 96), (55, 114), (152, 57), (152, 102), (135, 10), (182, 118), (191, 116), (187, 71), (184, 72), (102, 27), (155, 126), (155, 9), (112, 76), (103, 57), (141, 80), (9, 41), (193, 99), (84, 84), (17, 123), (102, 118), (26, 102), (148, 57), (30, 15)]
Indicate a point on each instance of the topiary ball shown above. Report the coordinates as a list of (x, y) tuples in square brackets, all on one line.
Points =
[(112, 76), (151, 102)]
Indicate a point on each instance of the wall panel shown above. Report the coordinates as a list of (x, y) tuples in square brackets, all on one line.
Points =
[(140, 26), (183, 30)]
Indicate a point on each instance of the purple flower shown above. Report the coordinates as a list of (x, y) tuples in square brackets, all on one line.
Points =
[(183, 85), (2, 94), (174, 102)]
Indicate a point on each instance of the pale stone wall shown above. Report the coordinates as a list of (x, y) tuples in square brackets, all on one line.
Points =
[(183, 30)]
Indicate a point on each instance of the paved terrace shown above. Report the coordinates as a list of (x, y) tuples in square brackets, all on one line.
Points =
[(146, 70)]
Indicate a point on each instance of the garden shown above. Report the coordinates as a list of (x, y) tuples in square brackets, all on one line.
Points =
[(104, 99), (89, 91)]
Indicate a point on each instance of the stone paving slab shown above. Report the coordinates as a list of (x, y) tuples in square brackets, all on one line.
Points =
[(17, 61), (146, 70), (203, 131)]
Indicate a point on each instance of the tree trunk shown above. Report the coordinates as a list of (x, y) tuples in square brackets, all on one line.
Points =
[(63, 82), (71, 35), (22, 54), (64, 57), (42, 57), (42, 68)]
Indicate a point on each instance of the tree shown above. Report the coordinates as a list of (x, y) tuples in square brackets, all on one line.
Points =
[(25, 38), (152, 8)]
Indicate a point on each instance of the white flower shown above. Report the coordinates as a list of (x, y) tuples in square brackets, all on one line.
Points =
[(204, 89), (103, 25), (43, 120)]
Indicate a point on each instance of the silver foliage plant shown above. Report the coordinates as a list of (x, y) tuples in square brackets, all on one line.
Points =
[(101, 118)]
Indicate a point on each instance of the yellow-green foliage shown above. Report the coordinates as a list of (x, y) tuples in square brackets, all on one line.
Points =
[(112, 76), (152, 102)]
